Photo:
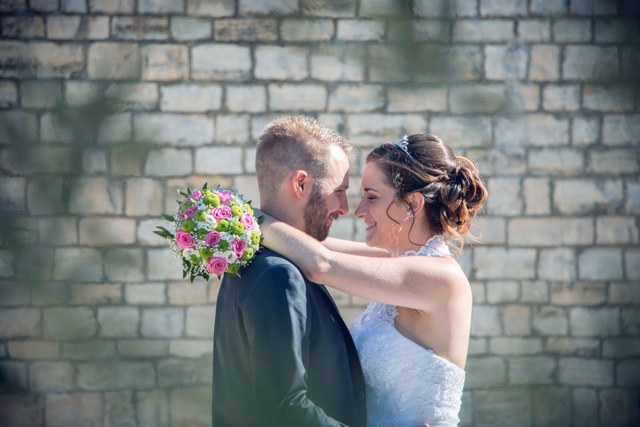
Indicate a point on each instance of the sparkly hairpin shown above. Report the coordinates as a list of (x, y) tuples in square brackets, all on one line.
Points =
[(403, 144)]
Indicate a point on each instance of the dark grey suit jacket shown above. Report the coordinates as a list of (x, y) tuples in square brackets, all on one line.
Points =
[(282, 354)]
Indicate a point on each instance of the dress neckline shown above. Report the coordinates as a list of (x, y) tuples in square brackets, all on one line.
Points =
[(435, 246)]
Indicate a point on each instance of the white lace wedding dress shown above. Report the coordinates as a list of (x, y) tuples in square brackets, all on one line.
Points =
[(406, 384)]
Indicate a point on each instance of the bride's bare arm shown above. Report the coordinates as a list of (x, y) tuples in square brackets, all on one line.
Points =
[(353, 248), (413, 282)]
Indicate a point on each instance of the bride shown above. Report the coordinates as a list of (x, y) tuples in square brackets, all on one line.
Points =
[(418, 199)]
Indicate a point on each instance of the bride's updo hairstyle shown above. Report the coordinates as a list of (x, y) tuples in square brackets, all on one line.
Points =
[(450, 184)]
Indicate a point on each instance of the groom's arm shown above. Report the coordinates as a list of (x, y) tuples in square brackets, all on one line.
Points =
[(275, 319)]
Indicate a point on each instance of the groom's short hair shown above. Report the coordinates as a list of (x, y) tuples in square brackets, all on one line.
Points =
[(291, 143)]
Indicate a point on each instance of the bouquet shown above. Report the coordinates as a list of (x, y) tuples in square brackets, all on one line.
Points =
[(213, 232)]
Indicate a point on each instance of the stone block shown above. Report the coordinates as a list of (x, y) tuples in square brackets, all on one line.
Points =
[(532, 370), (579, 293), (152, 408), (94, 294), (557, 264), (534, 30), (20, 323), (68, 323), (205, 63), (118, 322), (557, 161), (262, 30), (506, 196), (12, 294), (390, 126), (216, 9), (441, 8), (113, 61), (199, 323), (44, 195), (143, 197), (246, 98), (139, 28), (544, 62), (73, 6), (160, 7), (162, 322), (18, 123), (191, 348), (546, 8), (36, 94), (501, 263), (9, 94), (608, 98), (89, 350), (516, 320), (503, 408), (95, 27), (632, 204), (106, 231), (585, 131), (550, 231), (589, 63), (28, 27), (522, 97), (281, 63), (612, 230), (621, 347), (621, 129), (164, 62), (506, 62), (16, 60), (356, 98), (191, 98), (628, 371), (502, 291), (63, 27), (94, 162), (179, 294), (503, 8), (561, 98), (485, 98), (537, 196), (174, 129), (552, 406), (51, 376), (582, 196), (594, 322), (337, 63), (626, 293), (550, 320), (218, 160), (299, 97), (191, 406), (49, 294), (315, 30), (112, 7), (618, 407), (462, 132), (483, 30), (186, 29), (485, 372), (489, 230), (614, 161), (145, 294), (13, 191), (169, 162), (572, 30), (515, 345), (359, 30), (115, 375), (592, 7), (33, 349), (526, 130), (420, 99), (136, 96), (143, 348), (584, 347), (578, 371), (600, 264), (585, 405), (232, 129), (71, 409), (177, 372), (486, 321), (268, 7), (78, 264), (145, 235), (119, 409)]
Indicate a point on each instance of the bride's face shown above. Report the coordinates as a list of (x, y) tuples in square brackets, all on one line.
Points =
[(386, 218)]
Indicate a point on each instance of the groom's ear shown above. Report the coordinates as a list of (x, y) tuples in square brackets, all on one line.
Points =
[(301, 184)]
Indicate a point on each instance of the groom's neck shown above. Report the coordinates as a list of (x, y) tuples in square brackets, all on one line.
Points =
[(284, 212)]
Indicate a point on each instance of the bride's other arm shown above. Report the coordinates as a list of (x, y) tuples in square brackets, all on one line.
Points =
[(413, 282), (353, 248)]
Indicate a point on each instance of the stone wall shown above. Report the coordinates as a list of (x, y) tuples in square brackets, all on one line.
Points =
[(108, 106)]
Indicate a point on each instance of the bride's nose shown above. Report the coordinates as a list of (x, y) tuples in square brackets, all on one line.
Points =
[(360, 211)]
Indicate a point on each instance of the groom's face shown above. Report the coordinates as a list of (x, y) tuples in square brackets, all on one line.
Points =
[(328, 198)]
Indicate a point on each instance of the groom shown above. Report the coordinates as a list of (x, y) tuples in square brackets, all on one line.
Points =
[(282, 354)]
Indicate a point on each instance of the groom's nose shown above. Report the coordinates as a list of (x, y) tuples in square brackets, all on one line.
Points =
[(344, 204)]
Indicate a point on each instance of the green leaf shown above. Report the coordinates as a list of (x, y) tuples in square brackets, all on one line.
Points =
[(204, 187), (164, 234), (168, 217), (260, 219)]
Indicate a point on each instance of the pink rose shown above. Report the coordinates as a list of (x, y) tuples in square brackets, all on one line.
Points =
[(248, 222), (184, 240), (217, 265), (189, 212), (238, 246), (225, 196), (196, 195), (212, 238), (222, 212)]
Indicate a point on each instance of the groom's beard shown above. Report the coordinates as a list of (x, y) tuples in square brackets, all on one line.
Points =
[(315, 214)]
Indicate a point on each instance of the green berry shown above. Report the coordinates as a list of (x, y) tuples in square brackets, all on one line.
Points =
[(255, 238), (236, 211), (200, 215), (188, 225), (223, 225), (223, 245), (237, 228), (248, 254), (206, 253)]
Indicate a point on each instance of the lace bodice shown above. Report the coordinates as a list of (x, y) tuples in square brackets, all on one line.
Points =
[(407, 384)]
